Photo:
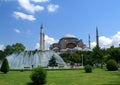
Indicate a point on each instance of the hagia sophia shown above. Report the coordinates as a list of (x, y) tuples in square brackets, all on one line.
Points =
[(68, 43)]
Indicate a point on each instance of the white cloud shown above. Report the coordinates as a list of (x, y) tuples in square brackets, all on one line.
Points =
[(29, 6), (106, 42), (2, 47), (116, 39), (40, 1), (17, 30), (52, 7), (37, 46), (48, 42), (93, 44), (24, 16)]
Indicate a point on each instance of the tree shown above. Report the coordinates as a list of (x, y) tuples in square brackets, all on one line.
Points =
[(114, 53), (97, 56), (65, 57), (14, 48), (5, 66), (106, 57), (87, 57), (8, 50), (18, 47), (52, 62), (2, 55), (74, 58)]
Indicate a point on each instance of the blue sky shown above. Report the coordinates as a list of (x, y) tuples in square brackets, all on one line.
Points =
[(20, 21)]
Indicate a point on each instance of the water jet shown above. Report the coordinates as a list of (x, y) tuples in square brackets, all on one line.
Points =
[(32, 59)]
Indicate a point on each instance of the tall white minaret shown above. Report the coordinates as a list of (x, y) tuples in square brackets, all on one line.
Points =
[(97, 37), (89, 41), (41, 38), (43, 41)]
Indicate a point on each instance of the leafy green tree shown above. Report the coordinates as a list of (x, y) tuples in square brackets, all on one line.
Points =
[(14, 48), (106, 58), (18, 47), (65, 57), (52, 62), (8, 50), (2, 55), (87, 58), (74, 58), (5, 66), (114, 53), (97, 56)]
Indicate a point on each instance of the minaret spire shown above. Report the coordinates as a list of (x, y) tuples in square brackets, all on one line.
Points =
[(41, 38), (43, 41), (89, 41), (97, 37)]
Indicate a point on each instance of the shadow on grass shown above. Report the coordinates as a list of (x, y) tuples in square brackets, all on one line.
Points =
[(3, 73), (31, 83)]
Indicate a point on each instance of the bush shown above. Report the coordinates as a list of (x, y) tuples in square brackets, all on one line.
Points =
[(112, 65), (88, 68), (5, 66), (38, 76)]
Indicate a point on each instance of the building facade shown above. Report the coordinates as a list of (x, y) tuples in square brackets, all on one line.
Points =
[(68, 42)]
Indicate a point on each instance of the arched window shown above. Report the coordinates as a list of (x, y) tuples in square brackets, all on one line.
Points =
[(70, 45)]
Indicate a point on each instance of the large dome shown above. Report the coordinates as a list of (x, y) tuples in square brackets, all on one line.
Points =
[(69, 36)]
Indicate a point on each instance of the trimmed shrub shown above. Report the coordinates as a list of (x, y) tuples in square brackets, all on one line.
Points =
[(5, 66), (38, 76), (112, 65), (88, 68)]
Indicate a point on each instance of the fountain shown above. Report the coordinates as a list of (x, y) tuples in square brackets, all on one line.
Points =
[(32, 59)]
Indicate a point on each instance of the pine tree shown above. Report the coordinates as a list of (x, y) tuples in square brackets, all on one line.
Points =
[(52, 62), (5, 66)]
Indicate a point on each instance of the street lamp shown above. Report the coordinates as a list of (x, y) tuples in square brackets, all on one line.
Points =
[(82, 61)]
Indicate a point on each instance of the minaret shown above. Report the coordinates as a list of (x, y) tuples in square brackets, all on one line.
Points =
[(97, 37), (41, 38), (89, 41), (43, 41)]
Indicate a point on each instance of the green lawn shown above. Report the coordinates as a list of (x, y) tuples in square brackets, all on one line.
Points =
[(64, 77)]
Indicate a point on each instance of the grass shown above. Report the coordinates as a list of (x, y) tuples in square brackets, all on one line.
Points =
[(64, 77)]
